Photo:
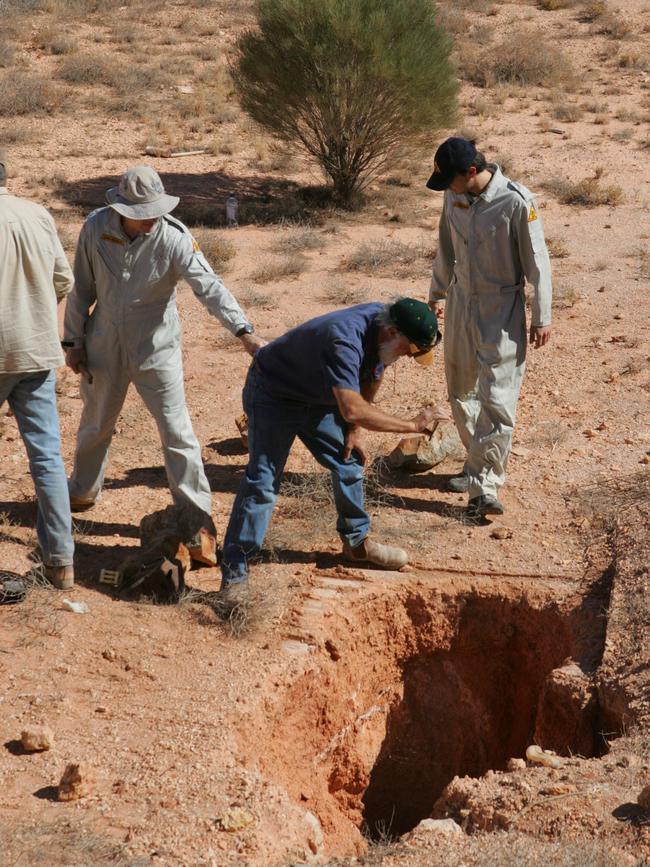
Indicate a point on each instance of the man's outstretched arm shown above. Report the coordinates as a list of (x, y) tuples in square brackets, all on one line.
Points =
[(356, 410)]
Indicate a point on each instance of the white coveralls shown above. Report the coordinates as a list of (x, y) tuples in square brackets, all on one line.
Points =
[(133, 335), (487, 245)]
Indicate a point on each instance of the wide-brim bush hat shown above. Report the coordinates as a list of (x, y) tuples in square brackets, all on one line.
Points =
[(140, 195)]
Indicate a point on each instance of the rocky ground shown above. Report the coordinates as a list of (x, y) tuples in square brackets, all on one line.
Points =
[(350, 700)]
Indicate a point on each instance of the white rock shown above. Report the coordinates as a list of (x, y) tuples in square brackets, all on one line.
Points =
[(435, 826), (316, 840)]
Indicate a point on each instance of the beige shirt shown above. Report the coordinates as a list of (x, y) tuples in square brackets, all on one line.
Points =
[(34, 277)]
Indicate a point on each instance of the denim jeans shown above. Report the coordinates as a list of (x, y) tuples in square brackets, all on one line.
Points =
[(273, 425), (32, 400)]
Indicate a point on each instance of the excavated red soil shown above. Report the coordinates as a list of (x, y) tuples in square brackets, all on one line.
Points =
[(426, 686)]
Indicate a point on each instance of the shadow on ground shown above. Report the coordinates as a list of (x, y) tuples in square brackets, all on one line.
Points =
[(261, 198)]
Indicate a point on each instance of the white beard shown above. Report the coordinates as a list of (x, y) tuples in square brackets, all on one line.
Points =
[(389, 351)]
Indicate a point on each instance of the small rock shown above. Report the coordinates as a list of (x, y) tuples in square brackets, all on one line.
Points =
[(543, 757), (501, 532), (316, 840), (76, 782), (516, 765), (109, 654), (37, 739), (434, 826), (590, 434), (644, 799), (628, 761), (559, 789), (234, 819), (645, 459)]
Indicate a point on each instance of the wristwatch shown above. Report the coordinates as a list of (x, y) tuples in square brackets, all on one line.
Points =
[(245, 329)]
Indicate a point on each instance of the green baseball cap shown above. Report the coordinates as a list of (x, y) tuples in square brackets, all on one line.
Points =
[(416, 321)]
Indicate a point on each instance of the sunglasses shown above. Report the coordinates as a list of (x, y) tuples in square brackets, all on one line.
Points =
[(415, 350)]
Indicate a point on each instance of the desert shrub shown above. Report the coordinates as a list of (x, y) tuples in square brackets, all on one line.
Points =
[(614, 24), (567, 111), (6, 54), (87, 69), (512, 61), (634, 60), (596, 107), (26, 94), (589, 192), (56, 42), (593, 10), (552, 5), (348, 82)]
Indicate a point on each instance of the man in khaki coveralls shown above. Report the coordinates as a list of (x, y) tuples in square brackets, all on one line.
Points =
[(490, 241), (121, 327)]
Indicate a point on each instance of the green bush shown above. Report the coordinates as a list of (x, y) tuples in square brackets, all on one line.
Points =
[(348, 81)]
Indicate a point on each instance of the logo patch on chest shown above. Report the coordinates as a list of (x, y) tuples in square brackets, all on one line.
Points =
[(462, 205)]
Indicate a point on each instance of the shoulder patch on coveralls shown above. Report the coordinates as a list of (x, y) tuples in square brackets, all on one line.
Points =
[(106, 237), (195, 245), (176, 224), (533, 214)]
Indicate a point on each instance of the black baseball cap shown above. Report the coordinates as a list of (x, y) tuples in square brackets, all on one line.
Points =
[(455, 155)]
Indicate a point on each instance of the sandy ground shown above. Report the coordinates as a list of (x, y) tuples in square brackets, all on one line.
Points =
[(179, 721)]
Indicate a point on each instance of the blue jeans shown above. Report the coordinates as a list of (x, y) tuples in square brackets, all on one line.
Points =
[(32, 400), (273, 425)]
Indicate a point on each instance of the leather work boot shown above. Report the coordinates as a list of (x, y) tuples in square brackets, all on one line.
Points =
[(486, 504), (458, 484), (78, 504), (61, 577), (384, 556)]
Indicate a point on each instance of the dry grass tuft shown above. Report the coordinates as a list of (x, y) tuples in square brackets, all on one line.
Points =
[(295, 240), (593, 10), (276, 269), (614, 24), (217, 250), (567, 111), (337, 292), (257, 608), (374, 256), (588, 193), (552, 5), (263, 300), (557, 249), (565, 296), (75, 845)]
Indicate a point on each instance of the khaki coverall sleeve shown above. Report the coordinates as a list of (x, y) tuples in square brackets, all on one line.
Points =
[(62, 274), (443, 264), (84, 294), (209, 288), (534, 260)]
